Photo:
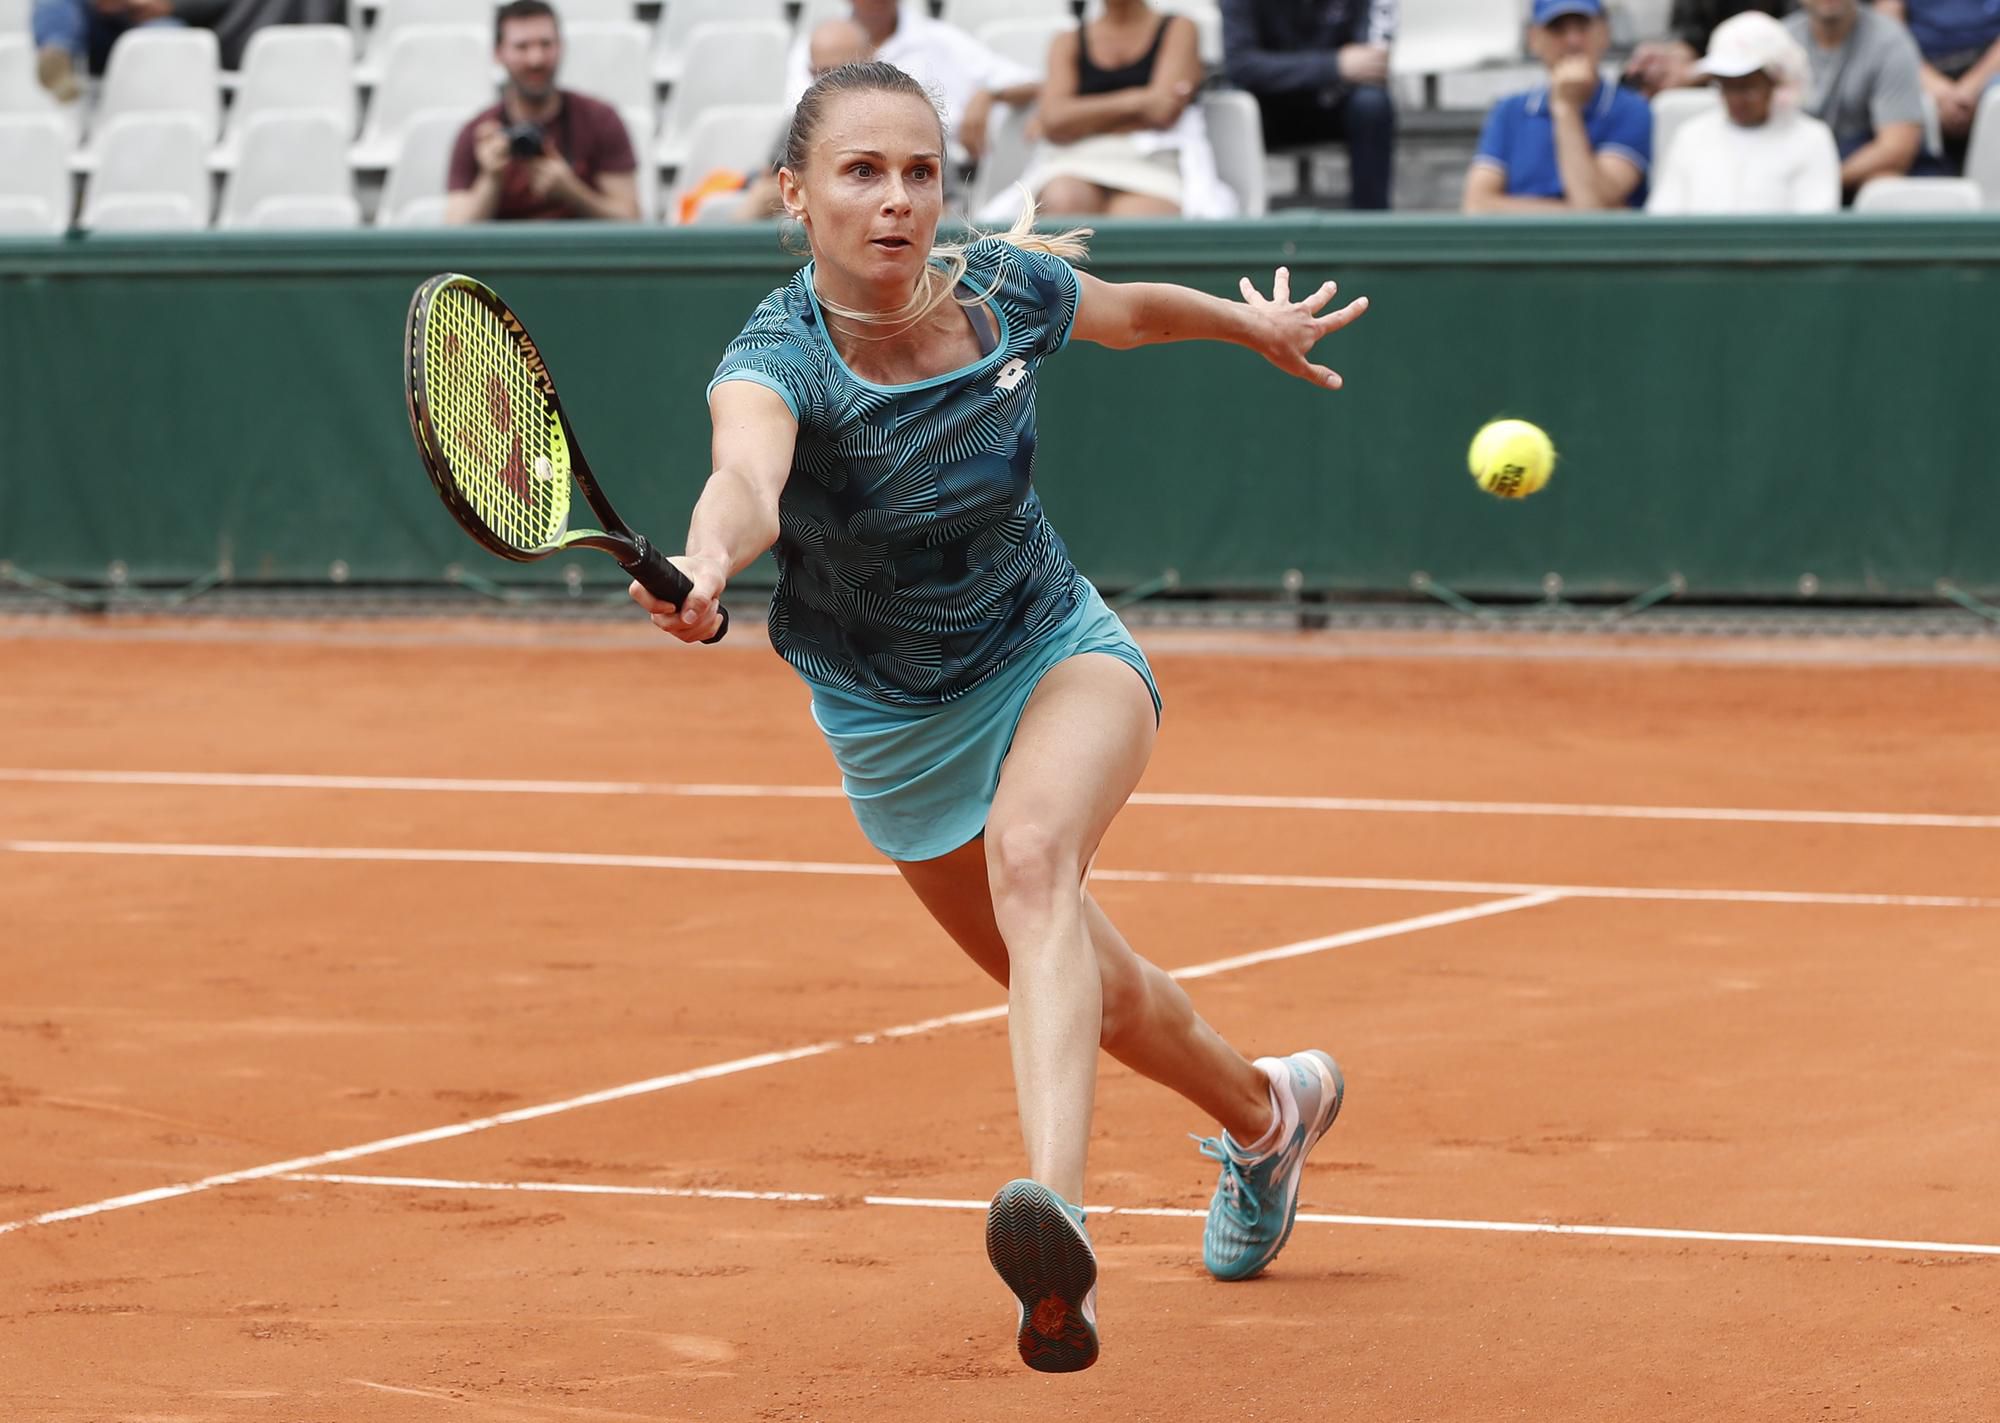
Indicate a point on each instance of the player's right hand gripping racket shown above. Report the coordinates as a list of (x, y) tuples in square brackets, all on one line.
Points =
[(494, 437)]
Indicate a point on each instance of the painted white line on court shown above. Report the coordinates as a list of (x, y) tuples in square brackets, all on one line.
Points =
[(1506, 1227), (879, 870), (725, 1069), (1366, 805)]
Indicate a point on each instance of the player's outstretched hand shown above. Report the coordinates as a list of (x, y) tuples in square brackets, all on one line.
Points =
[(700, 617), (1288, 330)]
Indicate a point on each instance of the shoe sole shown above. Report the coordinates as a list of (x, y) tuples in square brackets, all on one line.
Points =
[(1333, 1090), (1037, 1251)]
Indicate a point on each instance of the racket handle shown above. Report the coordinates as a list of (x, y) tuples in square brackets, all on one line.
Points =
[(664, 581)]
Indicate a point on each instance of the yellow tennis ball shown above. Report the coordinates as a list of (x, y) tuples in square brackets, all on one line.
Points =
[(1511, 459)]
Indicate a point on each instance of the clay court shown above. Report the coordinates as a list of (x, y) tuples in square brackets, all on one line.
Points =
[(506, 1021)]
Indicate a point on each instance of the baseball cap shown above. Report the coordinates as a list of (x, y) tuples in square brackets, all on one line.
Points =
[(1549, 11), (1747, 43)]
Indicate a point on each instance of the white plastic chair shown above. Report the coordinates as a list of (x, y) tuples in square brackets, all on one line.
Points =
[(973, 16), (733, 136), (1441, 36), (609, 62), (1007, 155), (428, 67), (421, 212), (1236, 134), (1674, 107), (287, 155), (146, 212), (34, 174), (420, 166), (21, 93), (1918, 195), (1982, 155), (292, 69), (13, 17), (639, 120), (683, 17), (317, 212), (156, 71), (396, 16), (1024, 42), (596, 12), (726, 64), (151, 155)]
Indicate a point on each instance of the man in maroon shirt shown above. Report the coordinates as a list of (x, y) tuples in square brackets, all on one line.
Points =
[(541, 152)]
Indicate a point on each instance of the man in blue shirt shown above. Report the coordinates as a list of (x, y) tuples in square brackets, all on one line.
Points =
[(1574, 144), (1960, 41)]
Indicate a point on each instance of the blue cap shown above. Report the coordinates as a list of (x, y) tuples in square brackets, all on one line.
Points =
[(1549, 11)]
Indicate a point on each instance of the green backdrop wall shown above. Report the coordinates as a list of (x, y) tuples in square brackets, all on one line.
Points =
[(1737, 403)]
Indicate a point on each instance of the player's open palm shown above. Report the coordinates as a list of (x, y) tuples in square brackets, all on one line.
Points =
[(1288, 330)]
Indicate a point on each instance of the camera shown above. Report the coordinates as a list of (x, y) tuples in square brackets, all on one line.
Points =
[(524, 140)]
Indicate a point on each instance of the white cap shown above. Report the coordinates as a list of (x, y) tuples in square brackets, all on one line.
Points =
[(1753, 41)]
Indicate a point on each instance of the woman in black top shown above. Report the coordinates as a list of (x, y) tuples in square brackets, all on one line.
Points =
[(1114, 135)]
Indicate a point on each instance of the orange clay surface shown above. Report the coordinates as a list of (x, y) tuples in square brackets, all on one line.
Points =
[(1723, 1063)]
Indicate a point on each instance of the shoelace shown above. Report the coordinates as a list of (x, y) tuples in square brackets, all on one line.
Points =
[(1239, 1199)]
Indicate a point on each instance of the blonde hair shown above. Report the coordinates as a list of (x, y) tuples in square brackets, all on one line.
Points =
[(946, 261)]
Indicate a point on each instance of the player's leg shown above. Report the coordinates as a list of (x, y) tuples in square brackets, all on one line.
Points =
[(1148, 1022)]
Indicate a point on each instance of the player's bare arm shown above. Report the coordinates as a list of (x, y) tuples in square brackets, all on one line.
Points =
[(1283, 331)]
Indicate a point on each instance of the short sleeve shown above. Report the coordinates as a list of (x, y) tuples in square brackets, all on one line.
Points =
[(1496, 139), (1048, 293), (1896, 96), (766, 352), (614, 143), (464, 166), (1629, 131)]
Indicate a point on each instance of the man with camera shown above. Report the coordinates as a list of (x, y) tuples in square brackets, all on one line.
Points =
[(540, 153)]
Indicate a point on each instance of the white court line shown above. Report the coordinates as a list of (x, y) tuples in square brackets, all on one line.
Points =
[(1179, 799), (1508, 1227), (1370, 934), (881, 870)]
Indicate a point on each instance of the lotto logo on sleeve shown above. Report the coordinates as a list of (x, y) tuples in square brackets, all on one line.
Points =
[(1011, 375)]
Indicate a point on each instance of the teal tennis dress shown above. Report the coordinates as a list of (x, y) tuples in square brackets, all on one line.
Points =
[(921, 592)]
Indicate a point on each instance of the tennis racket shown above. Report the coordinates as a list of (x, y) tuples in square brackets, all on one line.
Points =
[(498, 447)]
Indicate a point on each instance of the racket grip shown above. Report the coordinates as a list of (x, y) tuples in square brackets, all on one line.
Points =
[(664, 581)]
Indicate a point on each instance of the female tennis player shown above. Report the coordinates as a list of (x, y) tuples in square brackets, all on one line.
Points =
[(875, 423)]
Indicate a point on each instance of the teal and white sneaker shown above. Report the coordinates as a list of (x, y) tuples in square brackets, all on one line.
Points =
[(1037, 1242), (1257, 1198)]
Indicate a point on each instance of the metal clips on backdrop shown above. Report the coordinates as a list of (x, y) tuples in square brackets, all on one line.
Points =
[(116, 593), (1552, 601)]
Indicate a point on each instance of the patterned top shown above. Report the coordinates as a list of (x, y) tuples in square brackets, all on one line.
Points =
[(913, 555)]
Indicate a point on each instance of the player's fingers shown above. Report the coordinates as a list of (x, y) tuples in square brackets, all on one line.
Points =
[(637, 592), (1321, 375), (1346, 316), (1250, 293), (1281, 285), (1320, 298)]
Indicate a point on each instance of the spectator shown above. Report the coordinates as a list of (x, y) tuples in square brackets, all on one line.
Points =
[(74, 37), (1120, 135), (1574, 144), (1866, 86), (966, 77), (831, 44), (1320, 72), (541, 152), (1669, 63), (1758, 154), (1960, 43)]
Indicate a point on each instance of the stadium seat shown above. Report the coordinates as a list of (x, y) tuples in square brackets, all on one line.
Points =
[(1236, 133), (287, 155), (419, 167), (975, 15), (1007, 154), (22, 94), (726, 64), (34, 174), (146, 212), (428, 67), (596, 12), (816, 12), (737, 137), (1441, 36), (13, 17), (156, 71), (1982, 156), (319, 212), (151, 155), (396, 16), (292, 69), (609, 62), (1026, 42), (1674, 107), (423, 212), (639, 120), (678, 24), (1918, 195)]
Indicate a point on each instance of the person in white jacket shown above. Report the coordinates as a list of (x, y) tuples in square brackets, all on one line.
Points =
[(1758, 153)]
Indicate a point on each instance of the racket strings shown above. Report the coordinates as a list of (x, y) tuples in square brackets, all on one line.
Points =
[(504, 456)]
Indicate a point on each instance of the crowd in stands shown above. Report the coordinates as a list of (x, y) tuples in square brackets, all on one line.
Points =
[(1098, 108)]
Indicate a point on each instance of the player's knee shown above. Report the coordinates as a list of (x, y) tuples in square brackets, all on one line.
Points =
[(1027, 865)]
